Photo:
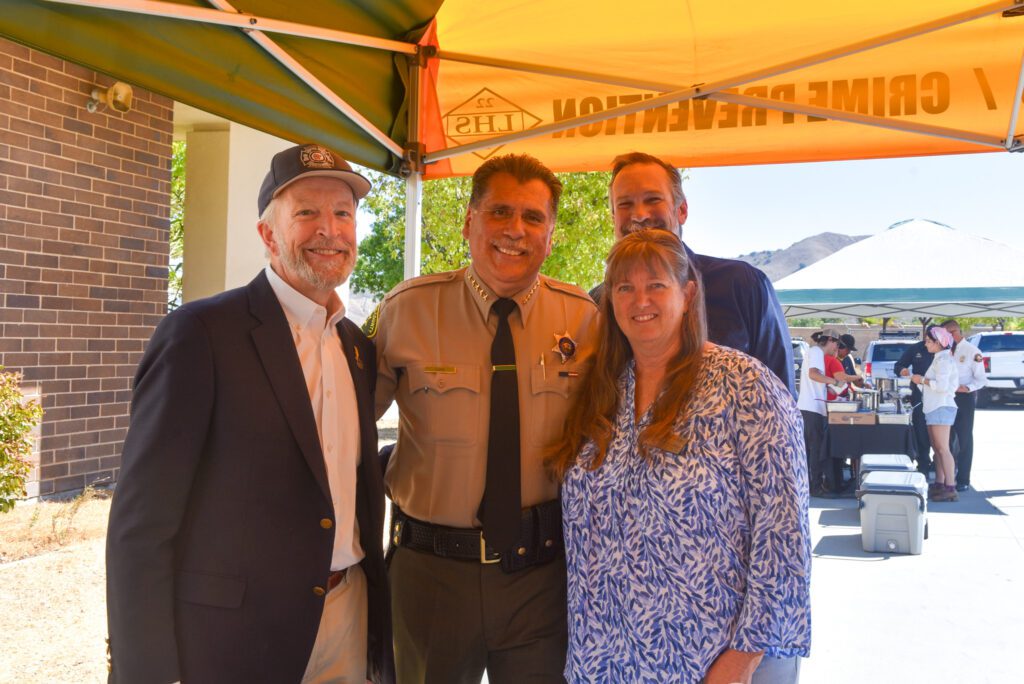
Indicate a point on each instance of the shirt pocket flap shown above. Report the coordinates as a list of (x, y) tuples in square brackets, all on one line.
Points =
[(221, 591), (558, 379), (442, 378)]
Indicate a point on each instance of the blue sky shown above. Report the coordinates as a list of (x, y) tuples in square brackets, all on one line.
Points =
[(735, 210), (741, 209)]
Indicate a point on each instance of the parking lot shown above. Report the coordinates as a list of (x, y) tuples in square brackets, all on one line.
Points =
[(952, 614)]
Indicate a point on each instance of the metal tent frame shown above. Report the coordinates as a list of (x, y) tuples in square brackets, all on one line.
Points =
[(411, 153)]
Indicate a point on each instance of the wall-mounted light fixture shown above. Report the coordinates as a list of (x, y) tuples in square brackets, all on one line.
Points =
[(118, 97)]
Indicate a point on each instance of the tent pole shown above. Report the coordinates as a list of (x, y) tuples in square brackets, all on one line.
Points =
[(242, 20), (862, 119), (293, 65), (412, 169), (413, 223), (1011, 143)]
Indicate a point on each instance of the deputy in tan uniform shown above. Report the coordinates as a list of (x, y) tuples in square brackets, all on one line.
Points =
[(463, 603)]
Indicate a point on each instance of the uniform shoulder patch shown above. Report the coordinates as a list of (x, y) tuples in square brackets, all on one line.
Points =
[(370, 324), (420, 281), (979, 358), (566, 288)]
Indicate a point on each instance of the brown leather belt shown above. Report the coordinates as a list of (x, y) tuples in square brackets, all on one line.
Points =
[(540, 538), (336, 578)]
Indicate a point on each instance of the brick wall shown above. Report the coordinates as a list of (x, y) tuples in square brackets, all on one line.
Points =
[(83, 254)]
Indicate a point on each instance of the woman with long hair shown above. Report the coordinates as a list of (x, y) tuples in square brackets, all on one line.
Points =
[(938, 391), (684, 492)]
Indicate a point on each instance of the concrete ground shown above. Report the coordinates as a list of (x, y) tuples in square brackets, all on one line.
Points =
[(955, 613)]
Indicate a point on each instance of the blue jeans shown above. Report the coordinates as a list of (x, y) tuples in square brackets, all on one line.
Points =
[(777, 671)]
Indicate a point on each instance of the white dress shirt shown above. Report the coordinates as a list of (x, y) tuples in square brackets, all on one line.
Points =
[(970, 369), (940, 383), (333, 397), (812, 393)]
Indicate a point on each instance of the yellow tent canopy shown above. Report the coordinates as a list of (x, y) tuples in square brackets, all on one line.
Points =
[(431, 88), (573, 82)]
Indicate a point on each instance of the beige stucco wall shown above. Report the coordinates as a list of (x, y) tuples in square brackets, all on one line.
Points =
[(225, 165)]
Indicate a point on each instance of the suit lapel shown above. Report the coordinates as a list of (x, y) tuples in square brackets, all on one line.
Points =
[(280, 361)]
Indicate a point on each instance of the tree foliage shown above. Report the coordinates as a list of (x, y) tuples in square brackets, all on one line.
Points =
[(177, 231), (18, 418), (583, 232)]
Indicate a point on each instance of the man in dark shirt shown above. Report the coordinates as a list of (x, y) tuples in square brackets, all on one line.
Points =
[(742, 308), (915, 361)]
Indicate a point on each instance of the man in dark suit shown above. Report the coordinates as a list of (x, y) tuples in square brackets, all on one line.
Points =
[(743, 310), (245, 532)]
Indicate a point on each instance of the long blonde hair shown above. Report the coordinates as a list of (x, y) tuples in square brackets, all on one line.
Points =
[(592, 415)]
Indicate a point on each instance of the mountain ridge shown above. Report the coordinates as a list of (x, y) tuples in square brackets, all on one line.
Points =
[(779, 263)]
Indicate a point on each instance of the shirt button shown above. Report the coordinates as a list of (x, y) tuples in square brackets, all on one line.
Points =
[(549, 543), (328, 447), (329, 394), (319, 591), (326, 523), (521, 550)]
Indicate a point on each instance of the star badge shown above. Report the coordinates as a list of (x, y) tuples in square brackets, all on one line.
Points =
[(565, 346)]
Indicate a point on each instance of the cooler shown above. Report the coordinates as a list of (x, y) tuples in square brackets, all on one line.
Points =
[(893, 510), (899, 463)]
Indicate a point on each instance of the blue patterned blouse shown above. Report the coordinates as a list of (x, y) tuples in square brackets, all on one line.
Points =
[(673, 560)]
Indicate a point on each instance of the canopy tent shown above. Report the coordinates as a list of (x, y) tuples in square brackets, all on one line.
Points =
[(431, 88), (929, 269)]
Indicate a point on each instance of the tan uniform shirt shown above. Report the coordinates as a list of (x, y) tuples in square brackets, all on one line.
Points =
[(433, 337)]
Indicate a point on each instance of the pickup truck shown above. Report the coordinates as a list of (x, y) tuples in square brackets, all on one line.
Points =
[(1003, 356)]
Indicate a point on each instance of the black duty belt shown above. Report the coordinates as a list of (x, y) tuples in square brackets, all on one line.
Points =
[(540, 538)]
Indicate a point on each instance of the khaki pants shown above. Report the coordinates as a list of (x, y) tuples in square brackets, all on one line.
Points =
[(453, 619), (339, 654)]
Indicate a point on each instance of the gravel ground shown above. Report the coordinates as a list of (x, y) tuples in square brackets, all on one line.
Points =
[(53, 617), (53, 620)]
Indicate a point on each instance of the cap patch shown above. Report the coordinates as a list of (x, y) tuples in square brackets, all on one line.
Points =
[(316, 157)]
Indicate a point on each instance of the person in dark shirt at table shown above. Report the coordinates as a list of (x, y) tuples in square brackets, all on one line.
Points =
[(915, 361)]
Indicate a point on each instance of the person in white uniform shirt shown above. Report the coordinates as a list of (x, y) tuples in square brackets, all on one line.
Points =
[(811, 402), (971, 375), (938, 385)]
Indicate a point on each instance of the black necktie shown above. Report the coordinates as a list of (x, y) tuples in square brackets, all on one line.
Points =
[(500, 507)]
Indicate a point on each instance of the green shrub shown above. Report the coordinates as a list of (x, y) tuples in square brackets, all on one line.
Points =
[(18, 417)]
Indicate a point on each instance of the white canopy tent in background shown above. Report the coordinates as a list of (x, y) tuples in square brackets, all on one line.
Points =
[(914, 269)]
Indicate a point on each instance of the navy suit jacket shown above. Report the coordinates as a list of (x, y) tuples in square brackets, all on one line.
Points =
[(218, 530)]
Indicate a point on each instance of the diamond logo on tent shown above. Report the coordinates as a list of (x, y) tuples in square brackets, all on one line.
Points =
[(486, 115)]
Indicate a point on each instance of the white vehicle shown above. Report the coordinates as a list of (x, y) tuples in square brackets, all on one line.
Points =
[(1003, 356), (800, 349), (882, 355)]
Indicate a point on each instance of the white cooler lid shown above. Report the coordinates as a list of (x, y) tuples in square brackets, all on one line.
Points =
[(894, 482), (885, 462)]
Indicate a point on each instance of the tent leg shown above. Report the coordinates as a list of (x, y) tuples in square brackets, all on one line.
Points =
[(1011, 143), (413, 223)]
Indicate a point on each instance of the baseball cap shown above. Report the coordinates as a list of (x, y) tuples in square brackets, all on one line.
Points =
[(848, 342), (827, 332), (304, 161)]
